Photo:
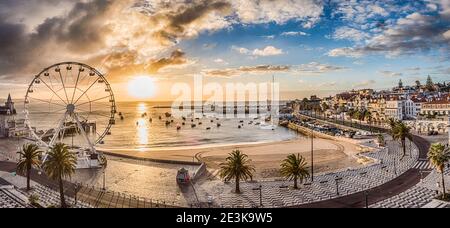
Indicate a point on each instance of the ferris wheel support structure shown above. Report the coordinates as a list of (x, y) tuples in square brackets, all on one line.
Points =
[(74, 100)]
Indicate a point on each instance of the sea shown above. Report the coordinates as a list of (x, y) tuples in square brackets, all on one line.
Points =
[(139, 127)]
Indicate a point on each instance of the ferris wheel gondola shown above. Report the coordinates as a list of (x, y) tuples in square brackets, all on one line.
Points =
[(71, 103)]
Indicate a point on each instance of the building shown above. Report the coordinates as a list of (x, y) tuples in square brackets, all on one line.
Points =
[(9, 108), (439, 109), (7, 121), (394, 109)]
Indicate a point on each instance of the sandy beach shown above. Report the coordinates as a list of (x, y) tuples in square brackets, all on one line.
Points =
[(266, 157)]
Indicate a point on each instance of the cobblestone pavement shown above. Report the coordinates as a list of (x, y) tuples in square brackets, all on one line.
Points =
[(387, 167)]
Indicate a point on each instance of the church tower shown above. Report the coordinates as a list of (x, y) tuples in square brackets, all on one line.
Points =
[(10, 105)]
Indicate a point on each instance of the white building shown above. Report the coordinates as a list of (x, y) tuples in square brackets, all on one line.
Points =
[(394, 109), (6, 115)]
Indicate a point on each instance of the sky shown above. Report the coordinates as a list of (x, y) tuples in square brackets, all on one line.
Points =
[(310, 46)]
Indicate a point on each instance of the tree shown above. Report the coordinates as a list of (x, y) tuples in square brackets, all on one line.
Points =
[(381, 140), (294, 168), (325, 107), (430, 84), (418, 84), (30, 158), (439, 156), (401, 132), (238, 167), (392, 123), (368, 116), (60, 164)]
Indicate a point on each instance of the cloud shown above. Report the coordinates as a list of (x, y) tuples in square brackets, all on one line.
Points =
[(209, 46), (447, 35), (269, 37), (390, 73), (308, 12), (128, 36), (221, 61), (415, 33), (413, 69), (124, 63), (315, 68), (327, 84), (260, 69), (347, 33), (347, 52), (267, 51), (293, 33), (365, 83)]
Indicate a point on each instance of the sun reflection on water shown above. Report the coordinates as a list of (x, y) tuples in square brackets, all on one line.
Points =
[(142, 126)]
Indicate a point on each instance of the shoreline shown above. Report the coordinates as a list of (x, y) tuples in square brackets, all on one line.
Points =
[(199, 147), (329, 155)]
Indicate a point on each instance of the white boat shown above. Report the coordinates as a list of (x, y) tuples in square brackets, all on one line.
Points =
[(266, 126)]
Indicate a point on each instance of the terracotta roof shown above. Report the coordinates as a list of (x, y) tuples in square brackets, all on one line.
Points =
[(439, 102)]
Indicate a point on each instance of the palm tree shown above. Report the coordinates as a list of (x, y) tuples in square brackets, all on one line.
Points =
[(294, 168), (30, 157), (392, 123), (401, 132), (238, 167), (381, 140), (438, 156), (60, 164)]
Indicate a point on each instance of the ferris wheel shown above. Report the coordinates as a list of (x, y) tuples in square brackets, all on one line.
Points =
[(70, 103)]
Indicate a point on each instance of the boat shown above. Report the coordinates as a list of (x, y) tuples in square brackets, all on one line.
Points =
[(183, 176), (265, 125)]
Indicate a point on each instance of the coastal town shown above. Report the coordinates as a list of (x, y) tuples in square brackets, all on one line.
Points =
[(425, 106), (357, 121), (225, 104)]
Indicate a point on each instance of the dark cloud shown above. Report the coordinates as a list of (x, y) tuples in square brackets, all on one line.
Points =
[(415, 33), (124, 63), (81, 31), (177, 17), (176, 58)]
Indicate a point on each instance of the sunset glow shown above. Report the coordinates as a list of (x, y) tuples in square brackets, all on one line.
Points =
[(142, 87)]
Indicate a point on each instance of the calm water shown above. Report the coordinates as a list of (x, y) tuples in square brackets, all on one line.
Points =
[(138, 132)]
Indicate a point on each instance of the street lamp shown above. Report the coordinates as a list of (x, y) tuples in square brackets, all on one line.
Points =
[(337, 184), (104, 179), (312, 154), (260, 194), (366, 196)]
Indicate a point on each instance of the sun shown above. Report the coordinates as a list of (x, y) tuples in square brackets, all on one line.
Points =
[(142, 87)]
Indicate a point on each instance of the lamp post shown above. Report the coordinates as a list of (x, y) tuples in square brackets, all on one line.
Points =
[(260, 195), (366, 196), (312, 155), (337, 179), (104, 179)]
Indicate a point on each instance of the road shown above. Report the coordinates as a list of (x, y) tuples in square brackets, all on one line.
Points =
[(358, 200)]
